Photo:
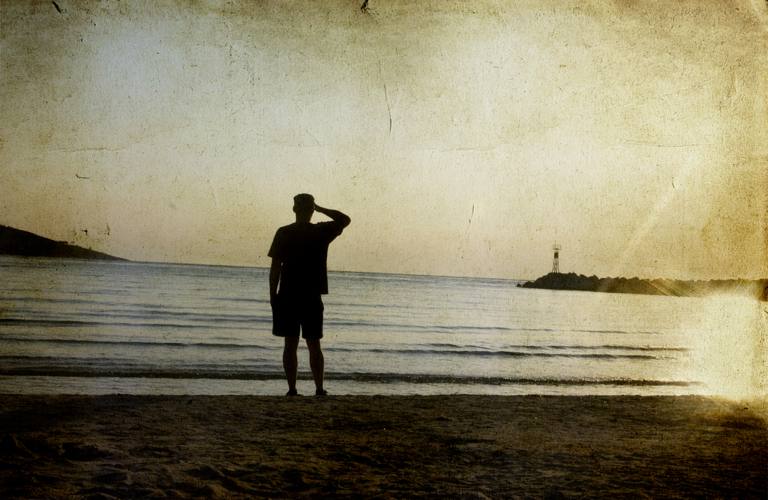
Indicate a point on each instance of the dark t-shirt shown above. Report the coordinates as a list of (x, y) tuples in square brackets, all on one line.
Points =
[(303, 249)]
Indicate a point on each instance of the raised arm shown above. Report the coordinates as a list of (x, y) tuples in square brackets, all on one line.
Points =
[(335, 215)]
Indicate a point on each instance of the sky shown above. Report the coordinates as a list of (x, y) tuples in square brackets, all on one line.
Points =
[(462, 138)]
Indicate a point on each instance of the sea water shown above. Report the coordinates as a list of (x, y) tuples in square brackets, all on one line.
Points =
[(102, 327)]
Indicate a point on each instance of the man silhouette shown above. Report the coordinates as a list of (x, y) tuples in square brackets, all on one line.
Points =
[(299, 253)]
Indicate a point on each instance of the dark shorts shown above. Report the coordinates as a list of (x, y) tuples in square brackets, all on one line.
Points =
[(291, 314)]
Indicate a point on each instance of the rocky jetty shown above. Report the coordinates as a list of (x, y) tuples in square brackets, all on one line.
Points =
[(572, 281), (17, 242)]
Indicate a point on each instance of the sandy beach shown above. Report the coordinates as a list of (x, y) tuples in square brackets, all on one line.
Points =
[(460, 446)]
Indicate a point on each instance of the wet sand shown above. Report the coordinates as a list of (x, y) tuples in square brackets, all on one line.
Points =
[(456, 446)]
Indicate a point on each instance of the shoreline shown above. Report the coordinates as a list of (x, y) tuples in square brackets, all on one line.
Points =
[(105, 386), (392, 446)]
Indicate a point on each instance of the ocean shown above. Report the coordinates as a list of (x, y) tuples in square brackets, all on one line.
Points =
[(104, 327)]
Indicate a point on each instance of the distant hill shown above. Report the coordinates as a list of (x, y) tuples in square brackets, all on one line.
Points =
[(17, 242), (571, 281)]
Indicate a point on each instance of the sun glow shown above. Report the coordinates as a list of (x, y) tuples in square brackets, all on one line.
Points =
[(729, 348)]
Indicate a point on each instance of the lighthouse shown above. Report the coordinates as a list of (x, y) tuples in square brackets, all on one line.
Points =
[(556, 259)]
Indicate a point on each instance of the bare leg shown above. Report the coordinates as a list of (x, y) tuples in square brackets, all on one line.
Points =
[(290, 362), (317, 363)]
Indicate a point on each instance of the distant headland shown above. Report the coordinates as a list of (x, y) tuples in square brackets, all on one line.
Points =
[(680, 288), (23, 243)]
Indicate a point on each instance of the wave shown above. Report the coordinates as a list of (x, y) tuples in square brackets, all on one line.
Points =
[(154, 314), (515, 354), (157, 314), (138, 343), (412, 326), (239, 299), (54, 323), (50, 300), (415, 378), (383, 378), (126, 305), (155, 318), (613, 331), (238, 318), (335, 322), (557, 351), (572, 346)]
